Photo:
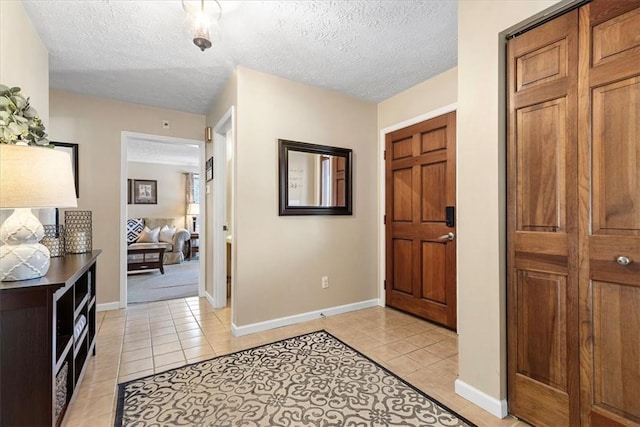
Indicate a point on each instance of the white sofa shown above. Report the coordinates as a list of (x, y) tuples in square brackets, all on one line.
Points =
[(146, 232)]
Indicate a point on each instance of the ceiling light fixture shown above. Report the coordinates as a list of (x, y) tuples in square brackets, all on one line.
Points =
[(202, 15)]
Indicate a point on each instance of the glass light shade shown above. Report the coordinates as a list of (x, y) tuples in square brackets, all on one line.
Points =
[(30, 177), (202, 13)]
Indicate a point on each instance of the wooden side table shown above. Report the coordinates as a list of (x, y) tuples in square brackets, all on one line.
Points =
[(194, 247)]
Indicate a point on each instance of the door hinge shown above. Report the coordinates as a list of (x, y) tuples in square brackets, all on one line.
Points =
[(384, 220), (384, 154), (385, 285)]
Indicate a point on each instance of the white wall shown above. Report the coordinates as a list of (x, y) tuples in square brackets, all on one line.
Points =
[(481, 190), (280, 260), (171, 183), (96, 124)]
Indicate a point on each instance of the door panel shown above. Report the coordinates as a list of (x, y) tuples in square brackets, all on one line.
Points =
[(616, 322), (340, 182), (402, 195), (615, 37), (434, 262), (402, 267), (609, 161), (542, 297), (616, 153), (420, 184), (433, 202), (542, 320), (541, 159), (542, 65)]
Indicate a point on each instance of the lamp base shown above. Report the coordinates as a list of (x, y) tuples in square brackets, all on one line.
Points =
[(21, 256), (23, 262)]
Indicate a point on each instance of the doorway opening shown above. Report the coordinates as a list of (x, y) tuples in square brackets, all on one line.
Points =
[(163, 238)]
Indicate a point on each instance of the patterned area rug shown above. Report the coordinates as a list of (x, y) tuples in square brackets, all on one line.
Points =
[(310, 380)]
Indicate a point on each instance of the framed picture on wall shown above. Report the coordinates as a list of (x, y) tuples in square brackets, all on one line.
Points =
[(72, 149), (209, 169), (145, 192)]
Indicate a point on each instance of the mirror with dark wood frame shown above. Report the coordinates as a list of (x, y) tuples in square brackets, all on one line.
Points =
[(314, 179)]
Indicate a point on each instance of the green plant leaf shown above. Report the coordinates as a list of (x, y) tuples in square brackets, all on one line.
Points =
[(19, 101), (30, 112)]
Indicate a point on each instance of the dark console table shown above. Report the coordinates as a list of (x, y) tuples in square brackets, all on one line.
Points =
[(47, 334)]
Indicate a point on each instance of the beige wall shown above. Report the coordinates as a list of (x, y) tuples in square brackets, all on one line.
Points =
[(96, 125), (481, 189), (280, 260), (422, 98), (171, 185), (24, 60)]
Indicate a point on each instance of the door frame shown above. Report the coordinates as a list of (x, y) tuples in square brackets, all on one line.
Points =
[(382, 267), (225, 126), (125, 136)]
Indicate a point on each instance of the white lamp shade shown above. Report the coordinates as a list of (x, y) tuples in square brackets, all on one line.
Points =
[(193, 209), (35, 177)]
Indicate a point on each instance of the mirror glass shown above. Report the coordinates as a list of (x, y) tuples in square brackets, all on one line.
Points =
[(314, 179)]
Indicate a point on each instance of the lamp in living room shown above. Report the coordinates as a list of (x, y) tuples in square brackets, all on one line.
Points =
[(30, 177), (193, 209)]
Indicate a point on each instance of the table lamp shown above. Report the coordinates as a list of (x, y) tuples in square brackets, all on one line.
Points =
[(193, 209), (30, 177)]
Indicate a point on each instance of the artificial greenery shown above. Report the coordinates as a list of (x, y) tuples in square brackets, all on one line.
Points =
[(19, 121)]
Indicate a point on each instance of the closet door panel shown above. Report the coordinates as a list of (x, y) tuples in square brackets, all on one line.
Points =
[(616, 158), (609, 187), (542, 301), (616, 361), (540, 165)]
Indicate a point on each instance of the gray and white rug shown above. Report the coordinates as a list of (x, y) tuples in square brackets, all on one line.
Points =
[(310, 380)]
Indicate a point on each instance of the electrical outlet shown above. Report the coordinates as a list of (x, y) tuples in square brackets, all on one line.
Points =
[(325, 282)]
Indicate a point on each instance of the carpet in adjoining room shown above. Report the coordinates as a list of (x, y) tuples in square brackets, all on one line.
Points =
[(178, 281), (309, 380)]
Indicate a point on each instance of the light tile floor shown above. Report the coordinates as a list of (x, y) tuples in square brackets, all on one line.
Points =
[(150, 338)]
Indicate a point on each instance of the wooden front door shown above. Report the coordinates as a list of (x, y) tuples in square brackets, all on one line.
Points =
[(609, 183), (573, 294), (420, 238)]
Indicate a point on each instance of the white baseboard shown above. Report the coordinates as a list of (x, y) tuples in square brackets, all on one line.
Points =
[(490, 404), (108, 306), (209, 298), (299, 318)]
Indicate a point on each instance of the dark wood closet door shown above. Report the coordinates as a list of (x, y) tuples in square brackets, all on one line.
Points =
[(609, 140), (574, 218), (420, 252), (543, 362)]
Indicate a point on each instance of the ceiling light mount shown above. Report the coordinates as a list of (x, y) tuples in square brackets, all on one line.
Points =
[(202, 13)]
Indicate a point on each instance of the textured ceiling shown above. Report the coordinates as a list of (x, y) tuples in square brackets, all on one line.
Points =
[(149, 150), (141, 50)]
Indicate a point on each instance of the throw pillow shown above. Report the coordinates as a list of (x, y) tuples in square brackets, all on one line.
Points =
[(134, 228), (149, 236), (166, 234)]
